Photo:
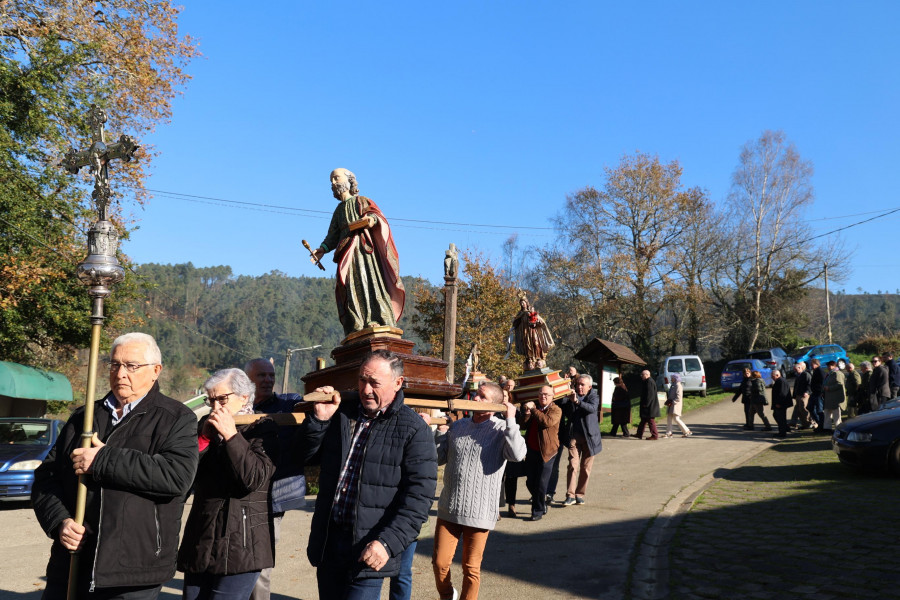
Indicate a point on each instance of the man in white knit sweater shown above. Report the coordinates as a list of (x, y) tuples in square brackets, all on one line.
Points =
[(475, 452)]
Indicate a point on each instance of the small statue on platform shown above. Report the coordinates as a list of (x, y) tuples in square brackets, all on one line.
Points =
[(451, 263), (367, 288), (532, 337)]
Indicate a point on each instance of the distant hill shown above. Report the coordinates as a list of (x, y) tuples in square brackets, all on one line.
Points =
[(207, 319)]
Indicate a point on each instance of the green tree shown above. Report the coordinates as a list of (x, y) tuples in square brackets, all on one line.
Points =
[(56, 59), (623, 236), (486, 306)]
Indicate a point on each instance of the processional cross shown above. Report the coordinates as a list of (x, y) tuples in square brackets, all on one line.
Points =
[(98, 157)]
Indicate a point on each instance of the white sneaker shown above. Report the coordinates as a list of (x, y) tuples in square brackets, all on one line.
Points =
[(454, 597)]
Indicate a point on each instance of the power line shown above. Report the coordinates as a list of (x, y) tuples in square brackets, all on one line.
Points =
[(72, 261)]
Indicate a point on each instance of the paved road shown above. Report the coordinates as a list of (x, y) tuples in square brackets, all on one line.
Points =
[(575, 552)]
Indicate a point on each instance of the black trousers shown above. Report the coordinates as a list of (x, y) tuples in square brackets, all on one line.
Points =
[(537, 480), (780, 416)]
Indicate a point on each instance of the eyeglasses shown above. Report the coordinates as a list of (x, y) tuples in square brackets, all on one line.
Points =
[(212, 400), (130, 367)]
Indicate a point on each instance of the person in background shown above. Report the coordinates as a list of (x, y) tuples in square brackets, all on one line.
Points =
[(139, 469), (541, 423), (852, 381), (227, 538), (833, 396), (816, 405), (649, 407), (781, 402), (474, 451), (262, 373), (863, 397), (800, 417), (620, 408), (893, 370), (758, 400), (745, 393), (879, 383), (580, 409), (674, 404)]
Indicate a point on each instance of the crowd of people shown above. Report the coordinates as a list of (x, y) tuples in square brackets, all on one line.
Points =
[(378, 464), (819, 393)]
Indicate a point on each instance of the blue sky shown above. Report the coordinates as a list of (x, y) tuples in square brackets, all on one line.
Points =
[(491, 112)]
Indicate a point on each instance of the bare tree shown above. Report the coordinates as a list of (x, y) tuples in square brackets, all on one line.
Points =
[(773, 257)]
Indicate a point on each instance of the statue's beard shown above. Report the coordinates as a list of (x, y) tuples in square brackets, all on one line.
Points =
[(339, 189)]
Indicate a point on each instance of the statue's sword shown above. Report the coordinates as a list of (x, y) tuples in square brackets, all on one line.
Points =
[(313, 254)]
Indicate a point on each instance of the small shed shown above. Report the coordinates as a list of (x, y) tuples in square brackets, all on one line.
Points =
[(24, 391), (609, 358)]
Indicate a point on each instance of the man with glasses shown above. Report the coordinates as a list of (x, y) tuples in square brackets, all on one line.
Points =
[(879, 382), (541, 422), (139, 468)]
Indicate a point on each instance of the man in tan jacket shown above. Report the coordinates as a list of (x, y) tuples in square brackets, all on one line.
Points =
[(541, 423)]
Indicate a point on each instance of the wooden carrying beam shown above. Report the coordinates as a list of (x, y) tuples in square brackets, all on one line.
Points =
[(309, 400)]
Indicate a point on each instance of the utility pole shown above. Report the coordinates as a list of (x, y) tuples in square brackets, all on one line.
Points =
[(827, 304), (287, 364)]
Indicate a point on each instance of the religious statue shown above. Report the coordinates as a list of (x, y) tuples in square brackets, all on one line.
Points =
[(367, 288), (451, 262), (532, 337)]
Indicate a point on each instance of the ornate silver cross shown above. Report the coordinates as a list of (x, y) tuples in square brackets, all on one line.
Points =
[(98, 157)]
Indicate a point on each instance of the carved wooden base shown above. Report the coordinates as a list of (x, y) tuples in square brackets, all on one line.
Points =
[(528, 386), (425, 376)]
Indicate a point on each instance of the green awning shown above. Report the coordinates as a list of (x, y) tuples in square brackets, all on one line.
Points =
[(19, 381)]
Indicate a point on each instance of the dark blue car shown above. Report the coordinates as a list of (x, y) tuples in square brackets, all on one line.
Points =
[(24, 443), (733, 373)]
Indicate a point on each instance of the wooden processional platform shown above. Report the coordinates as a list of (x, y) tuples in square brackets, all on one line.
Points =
[(425, 377)]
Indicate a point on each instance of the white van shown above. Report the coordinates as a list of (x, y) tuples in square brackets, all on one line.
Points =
[(689, 369)]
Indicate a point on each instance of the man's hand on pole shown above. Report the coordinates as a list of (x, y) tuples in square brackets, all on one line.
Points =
[(71, 534), (83, 458)]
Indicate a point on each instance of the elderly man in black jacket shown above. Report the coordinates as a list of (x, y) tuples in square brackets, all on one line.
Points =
[(377, 480), (581, 409), (782, 400), (140, 467), (879, 383), (649, 407)]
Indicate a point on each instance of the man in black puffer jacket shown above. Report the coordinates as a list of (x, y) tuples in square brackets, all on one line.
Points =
[(377, 480), (138, 472)]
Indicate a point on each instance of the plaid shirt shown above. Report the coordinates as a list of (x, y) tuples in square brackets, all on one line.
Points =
[(348, 483)]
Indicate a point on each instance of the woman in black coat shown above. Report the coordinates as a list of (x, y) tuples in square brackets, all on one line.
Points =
[(620, 408), (782, 400), (227, 539)]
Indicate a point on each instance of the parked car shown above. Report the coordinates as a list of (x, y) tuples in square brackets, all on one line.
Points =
[(689, 369), (775, 359), (733, 372), (24, 443), (824, 352), (871, 440)]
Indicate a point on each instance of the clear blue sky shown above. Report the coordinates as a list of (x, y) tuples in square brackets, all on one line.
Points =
[(491, 112)]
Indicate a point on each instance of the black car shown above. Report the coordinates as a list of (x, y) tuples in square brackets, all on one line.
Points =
[(871, 440)]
